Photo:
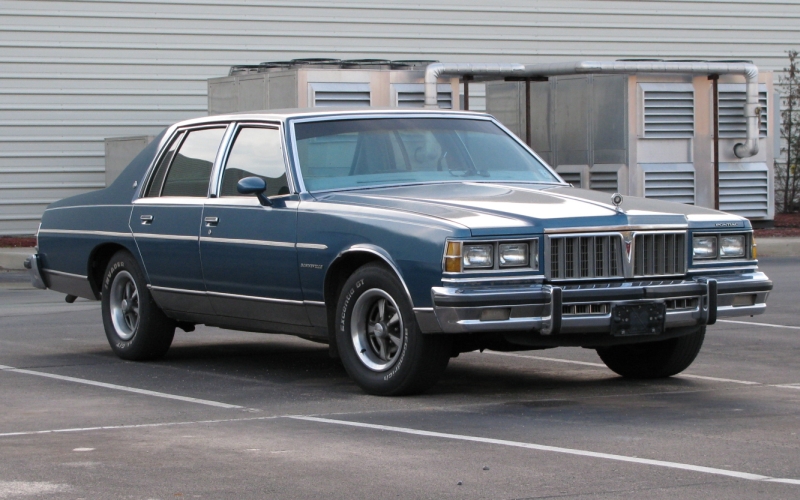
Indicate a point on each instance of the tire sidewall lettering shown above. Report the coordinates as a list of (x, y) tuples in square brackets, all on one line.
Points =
[(118, 265)]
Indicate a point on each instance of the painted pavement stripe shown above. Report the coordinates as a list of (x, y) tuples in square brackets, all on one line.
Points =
[(556, 449), (757, 324), (130, 426), (121, 388), (600, 365)]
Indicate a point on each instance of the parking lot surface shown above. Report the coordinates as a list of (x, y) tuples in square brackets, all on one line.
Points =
[(240, 415)]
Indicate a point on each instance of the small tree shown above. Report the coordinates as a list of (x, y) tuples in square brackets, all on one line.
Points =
[(787, 173)]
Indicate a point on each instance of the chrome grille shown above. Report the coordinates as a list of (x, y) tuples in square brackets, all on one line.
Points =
[(582, 257), (597, 256), (659, 254)]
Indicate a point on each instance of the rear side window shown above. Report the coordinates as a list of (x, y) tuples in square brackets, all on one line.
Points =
[(154, 189), (256, 152), (191, 167)]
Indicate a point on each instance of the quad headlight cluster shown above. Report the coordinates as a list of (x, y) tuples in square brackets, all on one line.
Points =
[(720, 246), (491, 255)]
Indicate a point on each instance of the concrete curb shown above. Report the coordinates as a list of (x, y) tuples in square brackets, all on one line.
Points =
[(12, 259)]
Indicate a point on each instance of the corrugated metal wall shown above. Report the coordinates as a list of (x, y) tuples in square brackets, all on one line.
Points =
[(75, 72)]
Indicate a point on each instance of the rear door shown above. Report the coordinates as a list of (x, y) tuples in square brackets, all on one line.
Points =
[(166, 221)]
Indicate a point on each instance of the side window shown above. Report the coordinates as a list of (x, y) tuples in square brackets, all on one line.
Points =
[(255, 152), (154, 189), (191, 168)]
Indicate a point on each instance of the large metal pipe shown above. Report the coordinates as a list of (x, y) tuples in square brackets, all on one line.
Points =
[(752, 110), (435, 70)]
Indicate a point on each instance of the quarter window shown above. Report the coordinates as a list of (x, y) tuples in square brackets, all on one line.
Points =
[(256, 152), (191, 168), (158, 178)]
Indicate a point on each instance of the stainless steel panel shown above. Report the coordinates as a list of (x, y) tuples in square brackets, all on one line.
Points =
[(572, 107), (609, 118)]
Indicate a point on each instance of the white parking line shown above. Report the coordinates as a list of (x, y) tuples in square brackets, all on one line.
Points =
[(120, 388), (600, 365), (556, 449), (757, 324), (131, 426)]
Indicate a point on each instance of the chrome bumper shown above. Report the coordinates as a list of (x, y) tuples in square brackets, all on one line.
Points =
[(33, 265), (586, 308)]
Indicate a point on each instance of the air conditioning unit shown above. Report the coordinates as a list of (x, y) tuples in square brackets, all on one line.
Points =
[(648, 135), (312, 83)]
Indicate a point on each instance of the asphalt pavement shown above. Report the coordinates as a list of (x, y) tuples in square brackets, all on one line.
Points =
[(240, 415)]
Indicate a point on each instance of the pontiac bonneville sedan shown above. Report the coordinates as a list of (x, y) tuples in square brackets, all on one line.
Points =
[(400, 238)]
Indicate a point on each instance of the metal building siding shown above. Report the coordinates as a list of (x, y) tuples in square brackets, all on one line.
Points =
[(75, 72)]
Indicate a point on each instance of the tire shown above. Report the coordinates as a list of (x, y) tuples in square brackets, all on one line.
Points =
[(135, 326), (379, 342), (654, 359)]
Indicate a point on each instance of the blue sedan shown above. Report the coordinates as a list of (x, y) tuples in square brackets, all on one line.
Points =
[(400, 238)]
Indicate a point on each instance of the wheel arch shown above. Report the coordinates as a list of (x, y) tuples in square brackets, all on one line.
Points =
[(345, 264), (98, 261)]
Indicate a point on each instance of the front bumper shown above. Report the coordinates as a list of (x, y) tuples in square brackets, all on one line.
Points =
[(586, 308)]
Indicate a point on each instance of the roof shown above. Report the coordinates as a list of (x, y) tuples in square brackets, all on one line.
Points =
[(285, 114)]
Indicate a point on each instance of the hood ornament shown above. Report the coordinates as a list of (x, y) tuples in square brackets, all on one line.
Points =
[(616, 199)]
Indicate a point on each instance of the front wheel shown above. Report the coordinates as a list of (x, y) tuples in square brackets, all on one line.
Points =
[(660, 359), (379, 342), (135, 326)]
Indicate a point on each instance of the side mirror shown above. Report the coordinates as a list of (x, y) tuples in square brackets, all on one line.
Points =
[(256, 186)]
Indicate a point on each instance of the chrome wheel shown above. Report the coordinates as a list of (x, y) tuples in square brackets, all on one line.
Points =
[(376, 327), (124, 305)]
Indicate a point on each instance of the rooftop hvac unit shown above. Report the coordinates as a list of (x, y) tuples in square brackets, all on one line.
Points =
[(307, 83), (648, 135)]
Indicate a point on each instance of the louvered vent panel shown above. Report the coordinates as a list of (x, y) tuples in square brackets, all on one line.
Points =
[(603, 181), (412, 95), (341, 94), (668, 111), (744, 192), (573, 178), (666, 185), (732, 123)]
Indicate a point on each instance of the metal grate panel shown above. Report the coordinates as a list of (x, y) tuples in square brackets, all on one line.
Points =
[(732, 123), (670, 183), (573, 178), (744, 189), (340, 94), (659, 254), (604, 181), (668, 111), (412, 95)]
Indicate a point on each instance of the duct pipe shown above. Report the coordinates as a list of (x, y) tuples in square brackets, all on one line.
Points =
[(752, 110), (434, 71)]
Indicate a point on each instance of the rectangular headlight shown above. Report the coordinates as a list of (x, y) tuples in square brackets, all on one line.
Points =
[(514, 254), (732, 246), (704, 247), (478, 256)]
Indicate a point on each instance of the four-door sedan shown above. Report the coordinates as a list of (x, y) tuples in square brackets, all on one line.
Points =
[(400, 238)]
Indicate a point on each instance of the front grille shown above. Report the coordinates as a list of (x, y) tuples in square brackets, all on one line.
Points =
[(659, 254), (585, 309), (597, 256), (582, 257)]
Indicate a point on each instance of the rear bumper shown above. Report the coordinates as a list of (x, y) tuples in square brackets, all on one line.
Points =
[(586, 308), (33, 265)]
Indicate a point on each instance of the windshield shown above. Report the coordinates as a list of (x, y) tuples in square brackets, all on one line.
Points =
[(369, 152)]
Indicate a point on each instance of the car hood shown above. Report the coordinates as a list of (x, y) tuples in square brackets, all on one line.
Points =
[(489, 209)]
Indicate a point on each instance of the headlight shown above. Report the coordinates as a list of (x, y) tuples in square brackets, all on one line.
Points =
[(478, 256), (731, 246), (704, 247), (514, 254)]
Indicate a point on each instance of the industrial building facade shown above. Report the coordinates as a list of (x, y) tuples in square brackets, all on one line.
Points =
[(77, 72)]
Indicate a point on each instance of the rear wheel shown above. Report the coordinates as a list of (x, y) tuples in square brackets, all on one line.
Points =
[(654, 359), (378, 339), (135, 326)]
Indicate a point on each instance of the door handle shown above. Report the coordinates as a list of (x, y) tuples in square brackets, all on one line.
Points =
[(146, 219), (211, 221)]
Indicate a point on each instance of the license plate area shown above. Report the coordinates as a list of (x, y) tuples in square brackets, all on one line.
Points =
[(642, 318)]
